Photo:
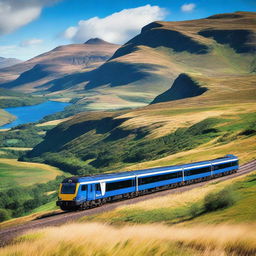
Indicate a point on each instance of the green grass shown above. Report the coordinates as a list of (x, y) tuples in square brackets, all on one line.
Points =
[(243, 210), (10, 98), (92, 144), (12, 174), (25, 135), (239, 207), (51, 206)]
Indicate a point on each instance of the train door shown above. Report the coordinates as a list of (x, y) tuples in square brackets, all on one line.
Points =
[(91, 192), (100, 189), (83, 191)]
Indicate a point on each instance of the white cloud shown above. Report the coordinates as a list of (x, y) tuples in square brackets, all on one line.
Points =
[(117, 27), (17, 13), (188, 7), (31, 42)]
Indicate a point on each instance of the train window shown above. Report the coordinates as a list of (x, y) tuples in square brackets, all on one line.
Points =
[(84, 188), (235, 163), (119, 185), (197, 171), (97, 187), (223, 166), (156, 178), (68, 188)]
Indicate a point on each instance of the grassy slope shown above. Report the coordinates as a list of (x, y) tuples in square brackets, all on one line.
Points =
[(230, 98), (15, 173), (153, 240), (10, 98), (176, 209), (152, 133), (5, 117), (232, 232)]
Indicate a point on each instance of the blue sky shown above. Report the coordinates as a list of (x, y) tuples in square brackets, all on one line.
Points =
[(31, 27)]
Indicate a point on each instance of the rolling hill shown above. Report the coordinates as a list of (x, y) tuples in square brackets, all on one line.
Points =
[(213, 52), (200, 77), (209, 110), (32, 74), (220, 47)]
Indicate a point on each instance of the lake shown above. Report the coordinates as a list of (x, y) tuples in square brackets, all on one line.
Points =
[(28, 114)]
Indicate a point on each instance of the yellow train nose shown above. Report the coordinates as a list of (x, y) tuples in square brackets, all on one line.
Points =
[(64, 196)]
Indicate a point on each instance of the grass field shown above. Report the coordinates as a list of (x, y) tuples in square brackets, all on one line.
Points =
[(13, 173), (5, 117), (140, 240), (188, 208), (51, 206)]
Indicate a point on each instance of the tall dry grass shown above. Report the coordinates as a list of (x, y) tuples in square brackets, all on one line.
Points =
[(100, 239)]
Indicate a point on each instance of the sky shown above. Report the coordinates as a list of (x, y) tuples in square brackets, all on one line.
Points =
[(31, 27)]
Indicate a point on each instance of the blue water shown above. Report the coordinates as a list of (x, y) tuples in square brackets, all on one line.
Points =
[(34, 113)]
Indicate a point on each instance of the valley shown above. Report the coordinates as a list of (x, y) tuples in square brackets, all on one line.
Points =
[(178, 92)]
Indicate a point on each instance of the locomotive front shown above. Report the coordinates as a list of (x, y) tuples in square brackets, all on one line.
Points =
[(67, 194)]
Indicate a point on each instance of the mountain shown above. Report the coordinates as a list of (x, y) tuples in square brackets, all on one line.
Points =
[(201, 81), (6, 62), (215, 52), (220, 47), (62, 60)]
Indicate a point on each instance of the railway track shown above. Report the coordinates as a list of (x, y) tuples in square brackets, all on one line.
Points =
[(8, 234)]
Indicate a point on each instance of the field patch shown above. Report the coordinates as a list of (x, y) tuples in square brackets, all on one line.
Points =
[(13, 173), (5, 117)]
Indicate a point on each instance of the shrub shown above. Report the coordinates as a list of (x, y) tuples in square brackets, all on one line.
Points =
[(4, 215), (194, 210), (21, 200), (219, 200)]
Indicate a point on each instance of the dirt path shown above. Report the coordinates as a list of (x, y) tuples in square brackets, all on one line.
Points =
[(9, 233)]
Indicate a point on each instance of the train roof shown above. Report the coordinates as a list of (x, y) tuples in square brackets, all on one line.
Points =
[(127, 174)]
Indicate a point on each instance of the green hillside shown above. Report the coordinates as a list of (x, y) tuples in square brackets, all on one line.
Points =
[(160, 134), (14, 173), (211, 109), (9, 98), (216, 48), (232, 202), (171, 225), (208, 112)]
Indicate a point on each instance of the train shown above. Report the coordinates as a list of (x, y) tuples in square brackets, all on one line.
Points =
[(91, 191)]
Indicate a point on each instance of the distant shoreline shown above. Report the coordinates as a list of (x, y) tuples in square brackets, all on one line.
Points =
[(39, 110)]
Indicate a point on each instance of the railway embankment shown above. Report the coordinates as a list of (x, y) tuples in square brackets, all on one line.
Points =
[(11, 230)]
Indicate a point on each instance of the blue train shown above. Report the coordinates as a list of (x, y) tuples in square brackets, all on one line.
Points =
[(91, 191)]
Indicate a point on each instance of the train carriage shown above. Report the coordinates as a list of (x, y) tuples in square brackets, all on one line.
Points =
[(90, 191)]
